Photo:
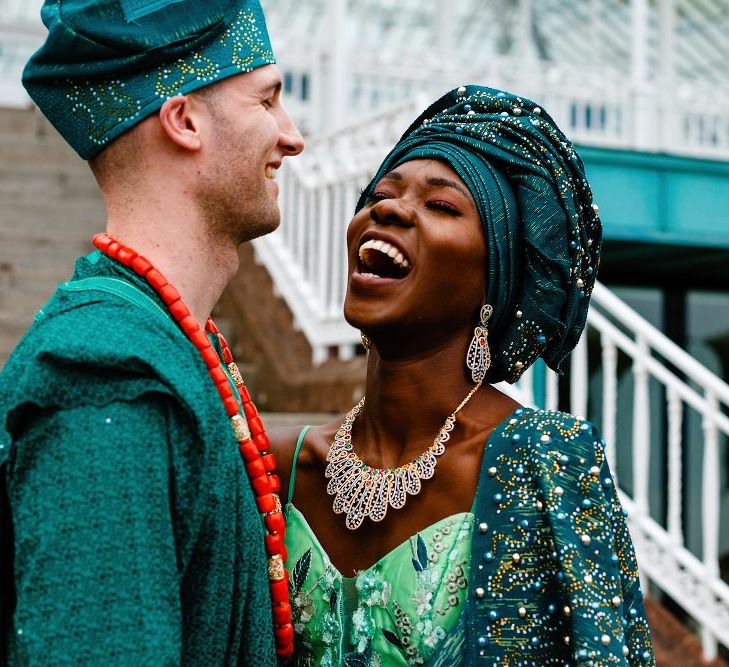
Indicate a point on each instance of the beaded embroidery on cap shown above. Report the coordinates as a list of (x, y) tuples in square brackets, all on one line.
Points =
[(103, 105), (175, 48)]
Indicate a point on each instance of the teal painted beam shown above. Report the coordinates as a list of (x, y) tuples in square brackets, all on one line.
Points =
[(660, 198)]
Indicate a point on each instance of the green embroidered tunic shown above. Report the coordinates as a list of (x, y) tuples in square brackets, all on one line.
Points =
[(130, 534)]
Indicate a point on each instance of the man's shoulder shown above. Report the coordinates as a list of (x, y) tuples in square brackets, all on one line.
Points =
[(95, 348), (97, 329)]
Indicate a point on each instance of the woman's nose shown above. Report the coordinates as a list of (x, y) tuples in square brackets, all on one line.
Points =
[(391, 212)]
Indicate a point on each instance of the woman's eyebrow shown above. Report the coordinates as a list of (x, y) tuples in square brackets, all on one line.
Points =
[(437, 181), (448, 183)]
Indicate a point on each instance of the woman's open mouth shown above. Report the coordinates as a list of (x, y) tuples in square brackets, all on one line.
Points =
[(380, 259)]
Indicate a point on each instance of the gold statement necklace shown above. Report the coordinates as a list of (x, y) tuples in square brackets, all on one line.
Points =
[(362, 491)]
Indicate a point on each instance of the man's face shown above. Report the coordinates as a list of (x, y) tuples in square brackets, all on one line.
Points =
[(249, 134)]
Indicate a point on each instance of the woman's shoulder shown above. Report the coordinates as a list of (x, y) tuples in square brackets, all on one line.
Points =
[(285, 440), (310, 441), (556, 447), (545, 430), (548, 467)]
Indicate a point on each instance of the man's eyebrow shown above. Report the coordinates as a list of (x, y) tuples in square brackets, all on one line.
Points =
[(272, 88), (448, 183)]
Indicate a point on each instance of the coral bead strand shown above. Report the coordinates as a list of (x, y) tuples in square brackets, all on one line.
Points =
[(253, 444)]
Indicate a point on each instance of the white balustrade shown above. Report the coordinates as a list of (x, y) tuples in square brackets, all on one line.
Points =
[(579, 379), (551, 391), (675, 466), (692, 582), (641, 425), (710, 506), (333, 80), (609, 398)]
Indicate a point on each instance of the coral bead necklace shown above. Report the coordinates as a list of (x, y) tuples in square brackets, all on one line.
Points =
[(253, 444)]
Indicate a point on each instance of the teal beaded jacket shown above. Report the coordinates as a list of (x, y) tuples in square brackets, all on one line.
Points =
[(553, 578), (130, 534)]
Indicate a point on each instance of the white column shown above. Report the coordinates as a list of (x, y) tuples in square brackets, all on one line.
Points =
[(526, 384), (639, 40), (644, 114), (551, 390), (524, 31), (334, 64), (322, 225), (444, 26), (675, 466), (711, 509), (596, 51), (666, 37), (666, 74), (579, 378), (609, 400)]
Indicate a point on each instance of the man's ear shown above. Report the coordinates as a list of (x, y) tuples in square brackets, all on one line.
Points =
[(181, 120)]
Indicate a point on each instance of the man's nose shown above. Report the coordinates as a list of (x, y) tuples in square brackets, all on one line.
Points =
[(290, 139)]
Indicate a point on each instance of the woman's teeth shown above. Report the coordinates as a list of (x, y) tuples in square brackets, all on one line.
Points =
[(386, 249)]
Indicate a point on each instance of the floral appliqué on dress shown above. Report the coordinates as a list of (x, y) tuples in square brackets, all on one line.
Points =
[(394, 613)]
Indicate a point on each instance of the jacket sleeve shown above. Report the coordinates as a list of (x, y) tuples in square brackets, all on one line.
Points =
[(96, 561), (599, 573)]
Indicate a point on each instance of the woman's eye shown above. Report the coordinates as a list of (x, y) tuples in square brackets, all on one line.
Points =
[(445, 206), (378, 196)]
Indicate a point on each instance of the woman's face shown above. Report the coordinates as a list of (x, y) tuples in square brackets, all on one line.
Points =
[(417, 255)]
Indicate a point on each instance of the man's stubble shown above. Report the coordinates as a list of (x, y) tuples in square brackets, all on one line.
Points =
[(234, 200)]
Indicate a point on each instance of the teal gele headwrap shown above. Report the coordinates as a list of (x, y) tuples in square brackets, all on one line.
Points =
[(543, 234), (108, 64)]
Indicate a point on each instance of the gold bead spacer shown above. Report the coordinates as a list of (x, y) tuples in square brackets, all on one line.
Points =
[(235, 373), (276, 570), (240, 428)]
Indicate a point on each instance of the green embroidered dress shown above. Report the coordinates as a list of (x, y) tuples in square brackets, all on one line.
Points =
[(129, 534), (541, 573)]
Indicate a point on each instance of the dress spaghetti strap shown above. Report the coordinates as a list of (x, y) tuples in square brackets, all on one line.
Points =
[(292, 477)]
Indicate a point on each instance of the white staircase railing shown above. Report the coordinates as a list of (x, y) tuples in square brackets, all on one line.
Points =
[(678, 405), (655, 405), (667, 393)]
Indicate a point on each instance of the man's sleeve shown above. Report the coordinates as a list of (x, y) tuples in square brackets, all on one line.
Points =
[(95, 561)]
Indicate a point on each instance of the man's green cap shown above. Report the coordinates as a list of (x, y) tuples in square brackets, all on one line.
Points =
[(106, 65)]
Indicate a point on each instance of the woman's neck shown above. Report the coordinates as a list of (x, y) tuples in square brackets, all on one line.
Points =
[(408, 401)]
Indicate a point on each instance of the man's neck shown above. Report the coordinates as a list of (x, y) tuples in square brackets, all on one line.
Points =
[(184, 251)]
